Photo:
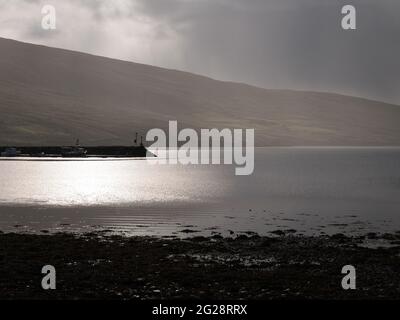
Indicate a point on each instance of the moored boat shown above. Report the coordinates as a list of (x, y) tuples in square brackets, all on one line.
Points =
[(11, 152)]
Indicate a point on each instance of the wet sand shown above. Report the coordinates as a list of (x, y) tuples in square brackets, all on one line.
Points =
[(184, 221), (281, 266)]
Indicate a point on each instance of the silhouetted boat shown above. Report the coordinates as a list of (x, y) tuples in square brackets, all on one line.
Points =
[(10, 152)]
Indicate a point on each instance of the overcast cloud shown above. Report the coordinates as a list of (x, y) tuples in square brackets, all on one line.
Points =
[(294, 44)]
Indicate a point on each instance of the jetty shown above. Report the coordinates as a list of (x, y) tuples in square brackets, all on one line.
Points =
[(75, 151)]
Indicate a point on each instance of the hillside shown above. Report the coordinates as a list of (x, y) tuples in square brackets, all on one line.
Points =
[(52, 96)]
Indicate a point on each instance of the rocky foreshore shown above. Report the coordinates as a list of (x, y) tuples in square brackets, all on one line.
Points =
[(283, 266)]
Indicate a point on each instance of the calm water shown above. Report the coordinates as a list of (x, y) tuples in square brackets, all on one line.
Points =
[(311, 190)]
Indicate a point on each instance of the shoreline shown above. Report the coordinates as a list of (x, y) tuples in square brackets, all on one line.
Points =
[(285, 266)]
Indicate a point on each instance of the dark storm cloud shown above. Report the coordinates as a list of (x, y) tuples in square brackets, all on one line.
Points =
[(296, 44), (291, 43)]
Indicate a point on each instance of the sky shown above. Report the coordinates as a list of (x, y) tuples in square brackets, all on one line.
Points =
[(277, 44)]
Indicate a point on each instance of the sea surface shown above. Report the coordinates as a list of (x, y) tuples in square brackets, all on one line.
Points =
[(310, 190)]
